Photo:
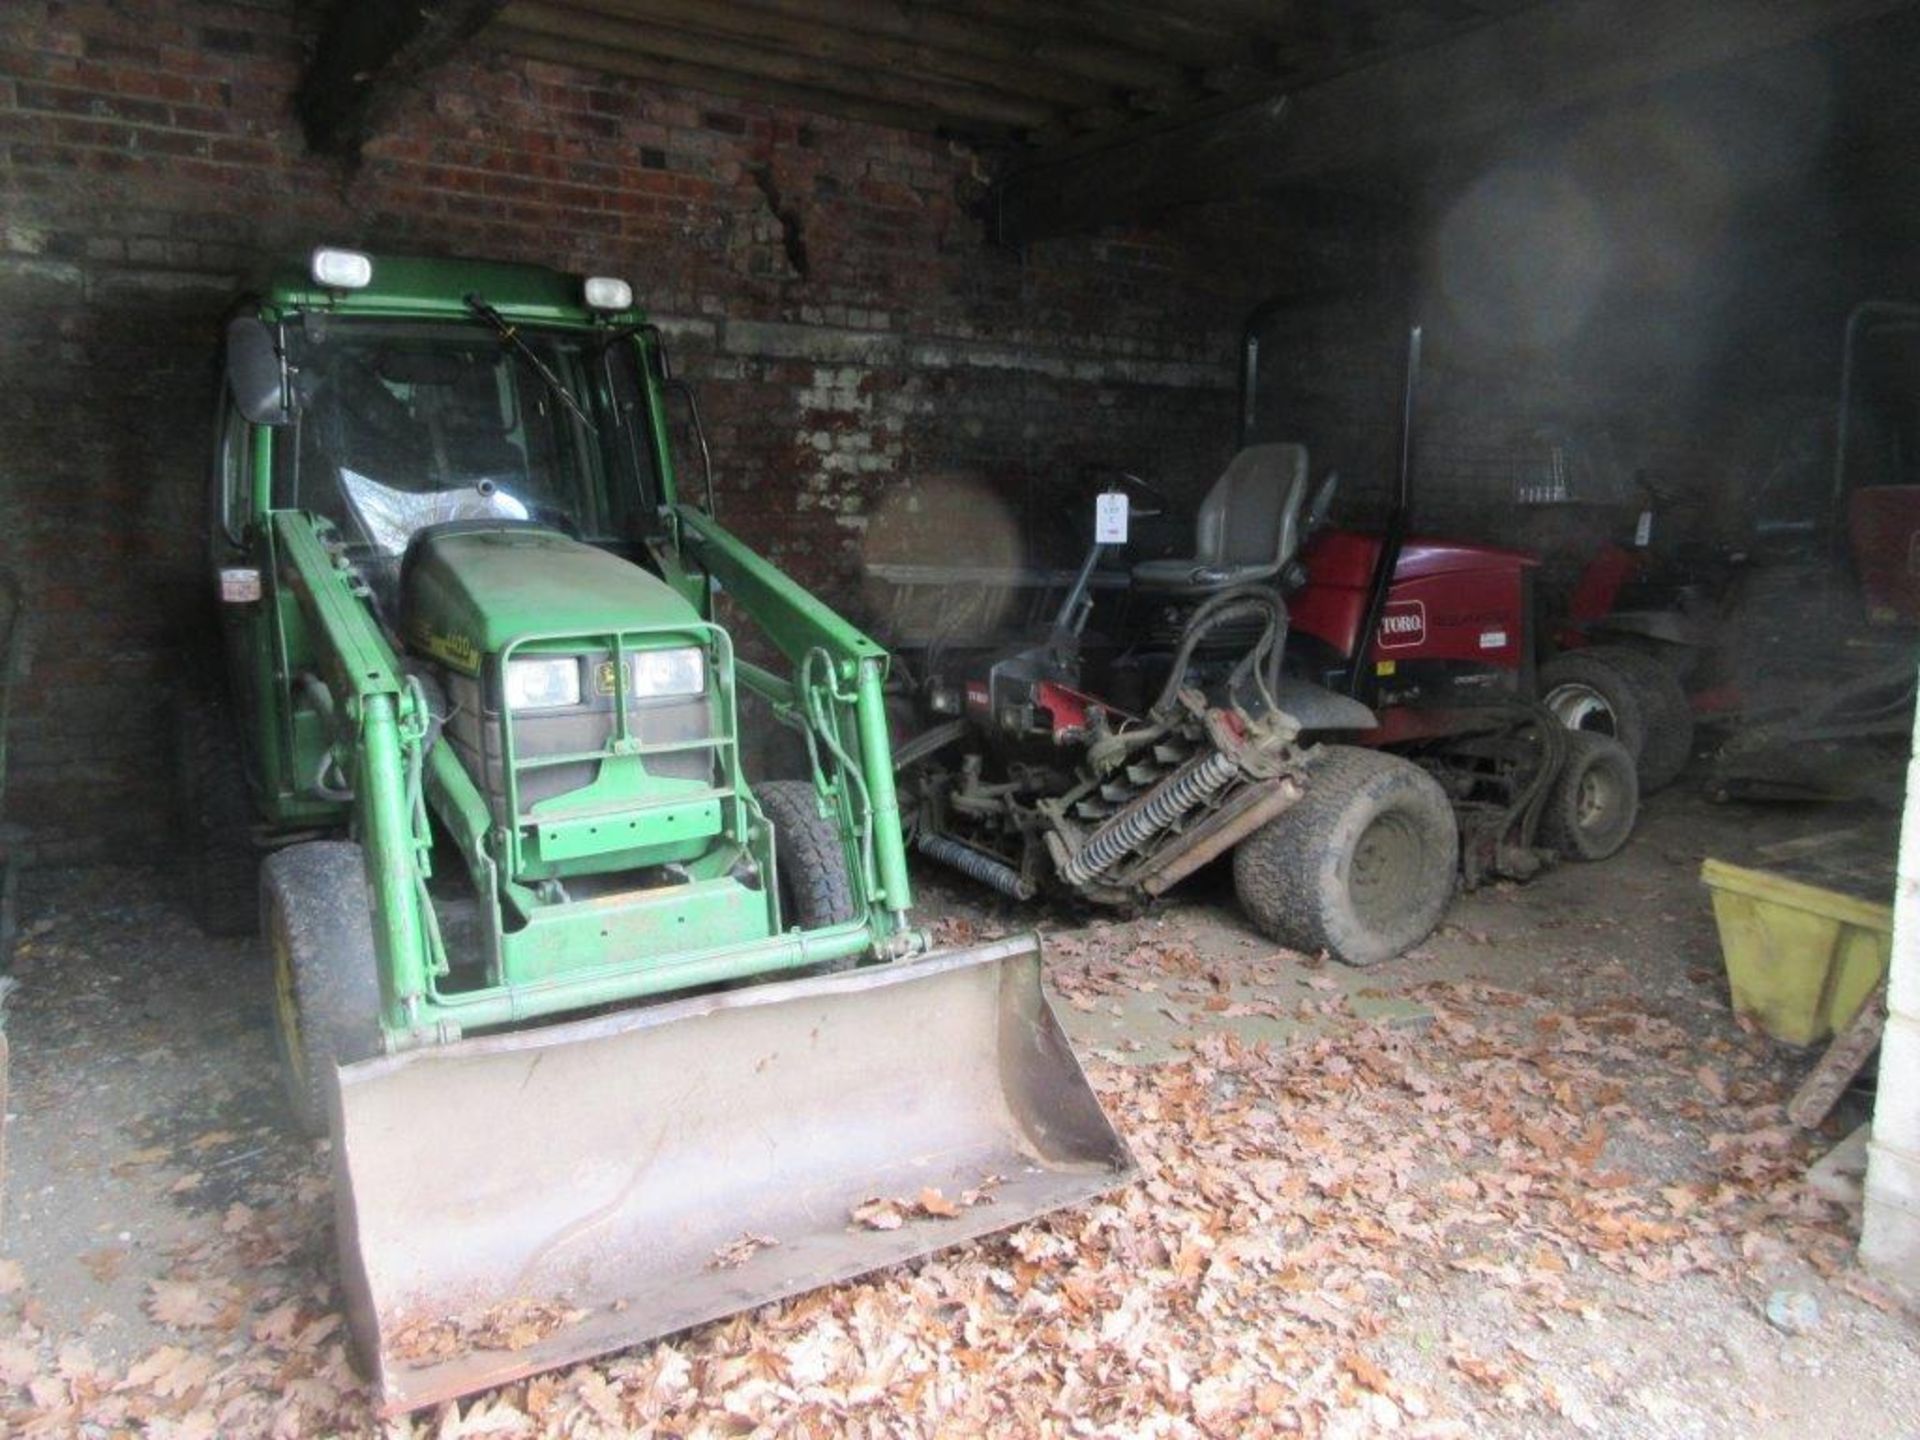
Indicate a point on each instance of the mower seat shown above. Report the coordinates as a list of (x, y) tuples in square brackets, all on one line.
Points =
[(1248, 527)]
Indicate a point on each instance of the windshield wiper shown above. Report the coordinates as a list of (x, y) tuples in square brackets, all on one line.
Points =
[(510, 333)]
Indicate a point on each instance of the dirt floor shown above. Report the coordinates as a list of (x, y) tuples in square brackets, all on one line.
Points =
[(1532, 1180)]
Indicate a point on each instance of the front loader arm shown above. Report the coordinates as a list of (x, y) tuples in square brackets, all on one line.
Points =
[(813, 638), (377, 729)]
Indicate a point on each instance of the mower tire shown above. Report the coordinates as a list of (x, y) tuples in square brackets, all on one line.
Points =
[(221, 868), (1361, 867), (809, 858), (1594, 801), (317, 917), (1593, 695), (1665, 709)]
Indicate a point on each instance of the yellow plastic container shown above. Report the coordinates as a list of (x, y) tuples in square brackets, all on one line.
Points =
[(1800, 958)]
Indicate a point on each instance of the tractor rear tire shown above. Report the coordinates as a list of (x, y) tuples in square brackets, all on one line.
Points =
[(1594, 801), (317, 917), (1588, 693), (1361, 867), (808, 855), (221, 868), (1665, 709)]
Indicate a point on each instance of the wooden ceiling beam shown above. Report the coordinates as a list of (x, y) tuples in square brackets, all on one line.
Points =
[(370, 53), (806, 35), (1534, 62), (1014, 39), (715, 53), (1166, 33), (661, 70)]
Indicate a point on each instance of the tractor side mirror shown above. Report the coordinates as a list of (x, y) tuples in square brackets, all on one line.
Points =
[(257, 372), (1321, 505)]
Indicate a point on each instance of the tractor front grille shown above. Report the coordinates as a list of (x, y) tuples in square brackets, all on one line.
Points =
[(475, 729)]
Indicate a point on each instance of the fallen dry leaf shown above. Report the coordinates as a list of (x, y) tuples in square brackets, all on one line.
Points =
[(514, 1325), (18, 1364), (932, 1202), (104, 1264), (185, 1304), (738, 1252), (878, 1214)]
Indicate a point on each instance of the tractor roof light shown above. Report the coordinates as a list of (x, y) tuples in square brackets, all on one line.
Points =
[(604, 292), (342, 269)]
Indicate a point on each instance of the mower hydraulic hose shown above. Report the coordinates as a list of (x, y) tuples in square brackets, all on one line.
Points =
[(1262, 660), (1524, 813)]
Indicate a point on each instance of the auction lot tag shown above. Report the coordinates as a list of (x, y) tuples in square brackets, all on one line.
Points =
[(1110, 519)]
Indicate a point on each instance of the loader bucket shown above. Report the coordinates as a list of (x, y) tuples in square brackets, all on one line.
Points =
[(520, 1201)]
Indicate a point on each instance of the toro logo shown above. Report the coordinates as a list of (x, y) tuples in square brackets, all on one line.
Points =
[(1403, 624), (978, 696)]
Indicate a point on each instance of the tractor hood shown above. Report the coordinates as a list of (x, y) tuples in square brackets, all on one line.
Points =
[(467, 592)]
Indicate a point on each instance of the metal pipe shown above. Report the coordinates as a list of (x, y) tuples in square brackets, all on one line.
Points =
[(1231, 824), (988, 871), (386, 834), (876, 760), (1397, 520), (633, 979)]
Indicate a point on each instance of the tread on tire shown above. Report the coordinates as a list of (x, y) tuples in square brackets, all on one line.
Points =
[(808, 857), (1595, 799), (1361, 867), (1668, 716), (1587, 693), (317, 918)]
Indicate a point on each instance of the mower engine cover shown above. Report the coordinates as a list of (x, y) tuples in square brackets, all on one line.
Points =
[(1453, 610)]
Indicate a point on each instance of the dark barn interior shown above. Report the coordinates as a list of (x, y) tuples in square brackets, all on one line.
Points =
[(940, 273)]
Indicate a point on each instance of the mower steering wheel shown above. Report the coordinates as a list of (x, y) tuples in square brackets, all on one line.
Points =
[(1144, 501)]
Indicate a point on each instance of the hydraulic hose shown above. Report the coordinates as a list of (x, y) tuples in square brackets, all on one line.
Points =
[(1261, 663)]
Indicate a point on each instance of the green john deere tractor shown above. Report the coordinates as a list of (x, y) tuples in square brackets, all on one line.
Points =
[(479, 717)]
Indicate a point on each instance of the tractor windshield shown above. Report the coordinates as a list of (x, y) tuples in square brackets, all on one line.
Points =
[(402, 425)]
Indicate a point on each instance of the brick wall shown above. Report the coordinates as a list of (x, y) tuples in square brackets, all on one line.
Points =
[(855, 335)]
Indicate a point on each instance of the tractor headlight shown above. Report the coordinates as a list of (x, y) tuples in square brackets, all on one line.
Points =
[(543, 684), (341, 269), (659, 673)]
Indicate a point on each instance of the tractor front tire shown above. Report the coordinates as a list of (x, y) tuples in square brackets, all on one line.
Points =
[(1587, 693), (1665, 709), (809, 858), (1594, 800), (220, 867), (1361, 867), (317, 917)]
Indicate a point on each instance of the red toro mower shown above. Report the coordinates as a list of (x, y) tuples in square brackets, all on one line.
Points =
[(1350, 716)]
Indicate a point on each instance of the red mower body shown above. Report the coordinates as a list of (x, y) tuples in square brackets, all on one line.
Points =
[(1453, 603), (1883, 527)]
